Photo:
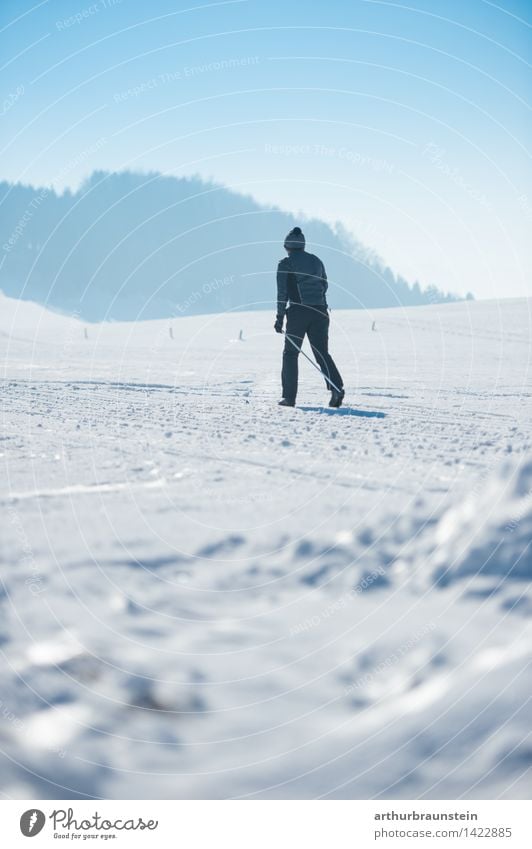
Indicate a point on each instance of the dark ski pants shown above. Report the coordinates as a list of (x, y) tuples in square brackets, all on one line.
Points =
[(314, 322)]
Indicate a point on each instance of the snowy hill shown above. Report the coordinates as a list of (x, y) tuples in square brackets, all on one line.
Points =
[(207, 596), (138, 246)]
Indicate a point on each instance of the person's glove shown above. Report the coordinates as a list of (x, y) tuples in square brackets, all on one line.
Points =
[(278, 326)]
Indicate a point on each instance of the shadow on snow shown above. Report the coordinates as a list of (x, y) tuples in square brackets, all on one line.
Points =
[(345, 411)]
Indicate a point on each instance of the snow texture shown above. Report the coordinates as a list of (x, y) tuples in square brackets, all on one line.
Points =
[(206, 596)]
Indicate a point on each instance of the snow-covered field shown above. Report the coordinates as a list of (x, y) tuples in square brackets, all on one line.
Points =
[(206, 596)]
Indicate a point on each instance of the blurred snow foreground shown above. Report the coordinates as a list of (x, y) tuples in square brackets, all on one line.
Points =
[(204, 596)]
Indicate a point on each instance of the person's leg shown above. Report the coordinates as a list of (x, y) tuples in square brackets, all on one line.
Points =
[(318, 336), (295, 330)]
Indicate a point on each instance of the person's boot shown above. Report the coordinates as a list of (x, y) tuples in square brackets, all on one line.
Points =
[(336, 398), (284, 402)]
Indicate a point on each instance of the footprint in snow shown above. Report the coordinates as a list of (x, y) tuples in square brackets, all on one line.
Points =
[(222, 547)]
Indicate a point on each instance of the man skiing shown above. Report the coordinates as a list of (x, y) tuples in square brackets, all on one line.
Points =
[(302, 282)]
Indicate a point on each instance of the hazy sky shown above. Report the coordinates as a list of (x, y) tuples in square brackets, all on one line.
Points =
[(410, 123)]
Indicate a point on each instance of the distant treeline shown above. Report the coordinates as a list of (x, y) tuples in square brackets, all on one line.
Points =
[(127, 246)]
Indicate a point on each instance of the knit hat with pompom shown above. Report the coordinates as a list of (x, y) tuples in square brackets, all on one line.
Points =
[(295, 240)]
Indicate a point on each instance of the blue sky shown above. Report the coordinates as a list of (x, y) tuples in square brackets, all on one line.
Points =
[(409, 123)]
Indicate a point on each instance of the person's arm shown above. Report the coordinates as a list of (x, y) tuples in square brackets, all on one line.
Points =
[(282, 294), (324, 278)]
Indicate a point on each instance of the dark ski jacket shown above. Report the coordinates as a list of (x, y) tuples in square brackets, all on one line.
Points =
[(301, 279)]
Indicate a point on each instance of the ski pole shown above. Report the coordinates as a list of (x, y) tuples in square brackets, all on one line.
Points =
[(301, 351)]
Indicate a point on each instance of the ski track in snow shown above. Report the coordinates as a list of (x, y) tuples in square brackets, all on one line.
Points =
[(206, 596)]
